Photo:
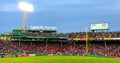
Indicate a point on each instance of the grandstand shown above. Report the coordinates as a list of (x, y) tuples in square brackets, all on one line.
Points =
[(49, 42)]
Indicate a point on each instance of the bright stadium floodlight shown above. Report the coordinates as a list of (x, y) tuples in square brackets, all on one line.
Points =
[(25, 7)]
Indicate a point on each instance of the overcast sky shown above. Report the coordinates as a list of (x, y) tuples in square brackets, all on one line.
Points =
[(66, 15)]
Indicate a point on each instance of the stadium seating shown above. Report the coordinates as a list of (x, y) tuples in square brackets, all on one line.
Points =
[(112, 48)]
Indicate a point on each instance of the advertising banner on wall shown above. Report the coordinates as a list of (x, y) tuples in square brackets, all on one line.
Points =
[(116, 38), (108, 38), (82, 38), (76, 38)]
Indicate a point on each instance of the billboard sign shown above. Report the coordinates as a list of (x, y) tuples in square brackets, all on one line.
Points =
[(100, 26), (43, 28)]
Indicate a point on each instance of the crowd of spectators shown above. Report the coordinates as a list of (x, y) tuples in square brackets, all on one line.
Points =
[(69, 47), (46, 34), (8, 47), (94, 34), (77, 34), (65, 48)]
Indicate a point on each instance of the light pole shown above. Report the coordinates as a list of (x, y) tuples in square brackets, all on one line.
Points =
[(25, 7)]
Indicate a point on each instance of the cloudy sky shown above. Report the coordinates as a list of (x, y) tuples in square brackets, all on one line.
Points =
[(66, 15)]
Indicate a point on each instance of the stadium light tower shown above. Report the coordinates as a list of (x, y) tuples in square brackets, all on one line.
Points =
[(25, 7)]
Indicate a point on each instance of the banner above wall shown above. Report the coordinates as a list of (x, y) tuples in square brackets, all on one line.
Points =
[(43, 27)]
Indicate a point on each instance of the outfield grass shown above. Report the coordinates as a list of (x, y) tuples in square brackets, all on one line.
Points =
[(59, 59)]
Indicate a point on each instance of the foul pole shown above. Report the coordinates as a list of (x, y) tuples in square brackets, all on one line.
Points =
[(86, 41)]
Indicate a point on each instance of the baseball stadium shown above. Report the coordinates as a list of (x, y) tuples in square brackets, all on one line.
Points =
[(43, 44)]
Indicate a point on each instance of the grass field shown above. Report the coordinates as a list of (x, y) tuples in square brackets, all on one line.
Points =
[(59, 59)]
